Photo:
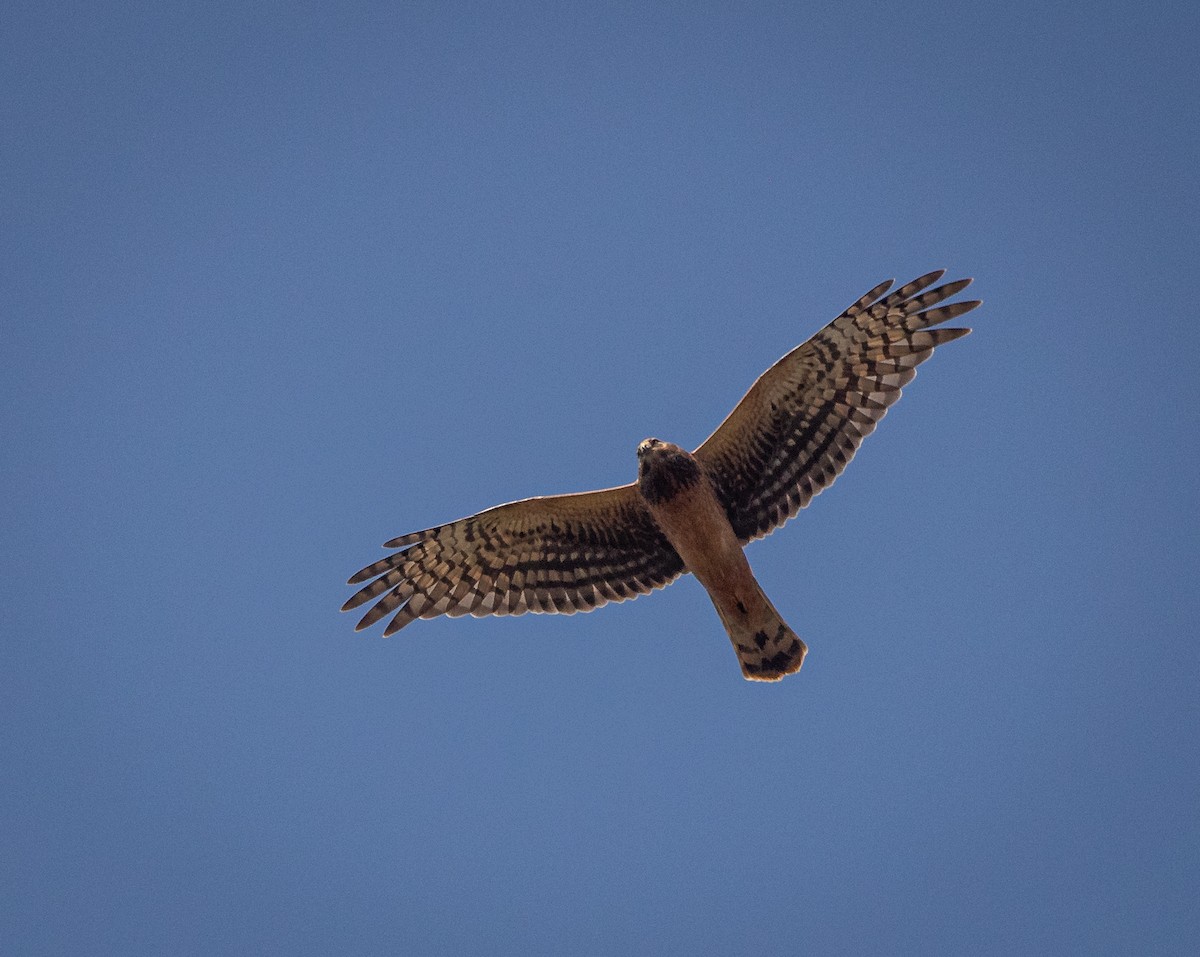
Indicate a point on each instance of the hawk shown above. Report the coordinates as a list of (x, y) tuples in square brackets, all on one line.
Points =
[(787, 439)]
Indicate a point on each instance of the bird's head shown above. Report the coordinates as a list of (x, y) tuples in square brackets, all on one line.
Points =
[(664, 469), (646, 445)]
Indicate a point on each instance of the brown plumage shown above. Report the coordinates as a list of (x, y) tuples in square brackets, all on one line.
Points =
[(789, 437)]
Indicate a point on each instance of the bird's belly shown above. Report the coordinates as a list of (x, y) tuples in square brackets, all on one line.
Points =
[(699, 530)]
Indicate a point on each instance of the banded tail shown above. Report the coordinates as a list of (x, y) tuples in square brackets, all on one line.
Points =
[(766, 647)]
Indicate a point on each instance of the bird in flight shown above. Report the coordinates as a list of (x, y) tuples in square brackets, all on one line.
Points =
[(787, 439)]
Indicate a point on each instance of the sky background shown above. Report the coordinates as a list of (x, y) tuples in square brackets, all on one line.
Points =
[(279, 282)]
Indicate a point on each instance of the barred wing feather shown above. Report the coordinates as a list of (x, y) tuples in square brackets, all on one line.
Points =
[(799, 425), (562, 553)]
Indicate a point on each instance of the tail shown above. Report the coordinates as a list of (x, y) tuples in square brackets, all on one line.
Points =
[(766, 647)]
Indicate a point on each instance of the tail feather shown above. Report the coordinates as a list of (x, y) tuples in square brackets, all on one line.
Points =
[(766, 647)]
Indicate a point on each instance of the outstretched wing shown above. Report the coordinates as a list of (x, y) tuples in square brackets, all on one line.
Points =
[(803, 420), (562, 553)]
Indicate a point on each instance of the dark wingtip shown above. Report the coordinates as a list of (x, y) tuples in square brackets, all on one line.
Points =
[(367, 620)]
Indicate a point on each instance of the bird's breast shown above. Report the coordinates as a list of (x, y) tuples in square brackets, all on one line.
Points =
[(666, 473)]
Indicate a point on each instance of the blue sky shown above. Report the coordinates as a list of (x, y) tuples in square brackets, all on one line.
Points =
[(281, 281)]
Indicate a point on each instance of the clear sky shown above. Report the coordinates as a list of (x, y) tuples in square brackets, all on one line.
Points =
[(279, 282)]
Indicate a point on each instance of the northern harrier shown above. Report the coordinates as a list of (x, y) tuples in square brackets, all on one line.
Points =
[(789, 438)]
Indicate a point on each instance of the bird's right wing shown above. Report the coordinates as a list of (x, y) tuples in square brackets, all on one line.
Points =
[(561, 553), (803, 420)]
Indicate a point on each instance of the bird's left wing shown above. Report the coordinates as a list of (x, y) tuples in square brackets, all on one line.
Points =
[(803, 420), (561, 553)]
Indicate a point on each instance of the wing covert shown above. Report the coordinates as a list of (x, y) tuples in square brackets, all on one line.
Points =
[(561, 553), (800, 424)]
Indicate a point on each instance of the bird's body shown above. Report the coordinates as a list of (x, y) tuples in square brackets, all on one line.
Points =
[(789, 437), (684, 505)]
